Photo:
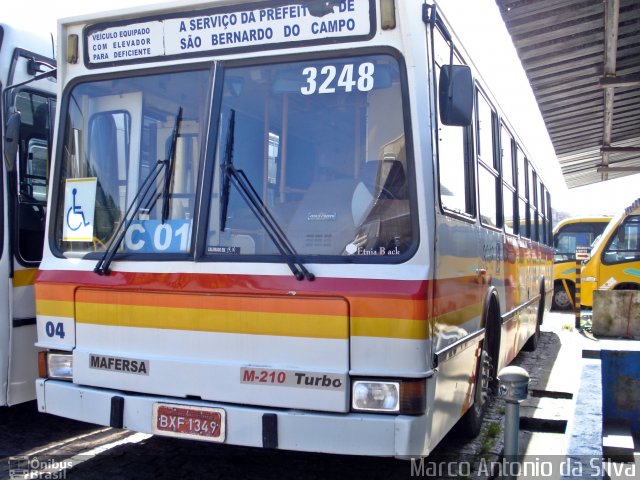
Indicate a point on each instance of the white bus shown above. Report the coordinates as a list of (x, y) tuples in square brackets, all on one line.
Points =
[(298, 225), (28, 100)]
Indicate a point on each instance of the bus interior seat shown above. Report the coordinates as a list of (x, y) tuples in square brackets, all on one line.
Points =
[(323, 221)]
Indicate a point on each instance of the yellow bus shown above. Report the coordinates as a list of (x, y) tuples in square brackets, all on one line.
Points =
[(567, 235), (297, 225), (614, 263), (27, 80)]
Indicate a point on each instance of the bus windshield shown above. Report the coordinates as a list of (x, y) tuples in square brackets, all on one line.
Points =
[(624, 245), (119, 136), (321, 142), (582, 234)]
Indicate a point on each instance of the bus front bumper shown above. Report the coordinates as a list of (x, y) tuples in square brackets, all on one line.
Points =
[(351, 434)]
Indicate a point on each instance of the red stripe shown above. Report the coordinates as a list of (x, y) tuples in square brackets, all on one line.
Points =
[(240, 284)]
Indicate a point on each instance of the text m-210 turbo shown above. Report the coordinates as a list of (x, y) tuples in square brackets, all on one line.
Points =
[(288, 378)]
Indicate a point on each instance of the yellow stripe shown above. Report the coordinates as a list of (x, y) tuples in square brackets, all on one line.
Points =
[(24, 278), (458, 317), (389, 328), (54, 308), (255, 323)]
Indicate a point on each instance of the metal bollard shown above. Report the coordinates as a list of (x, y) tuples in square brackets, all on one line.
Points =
[(514, 387)]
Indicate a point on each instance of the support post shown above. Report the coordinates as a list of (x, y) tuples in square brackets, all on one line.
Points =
[(576, 303), (514, 387), (582, 254)]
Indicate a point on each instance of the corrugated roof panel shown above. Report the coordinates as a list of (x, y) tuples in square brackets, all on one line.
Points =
[(561, 44)]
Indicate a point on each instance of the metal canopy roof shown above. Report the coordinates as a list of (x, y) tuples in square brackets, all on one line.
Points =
[(582, 58)]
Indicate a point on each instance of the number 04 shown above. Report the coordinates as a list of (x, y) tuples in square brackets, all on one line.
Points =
[(54, 330)]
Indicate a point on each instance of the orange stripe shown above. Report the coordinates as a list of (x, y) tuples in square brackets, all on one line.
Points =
[(381, 299), (360, 306), (266, 304), (365, 307), (390, 308), (54, 291)]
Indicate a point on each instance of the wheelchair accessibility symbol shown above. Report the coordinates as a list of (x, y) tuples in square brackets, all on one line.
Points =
[(79, 207), (75, 215)]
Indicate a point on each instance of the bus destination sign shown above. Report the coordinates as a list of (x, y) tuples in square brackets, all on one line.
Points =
[(216, 30)]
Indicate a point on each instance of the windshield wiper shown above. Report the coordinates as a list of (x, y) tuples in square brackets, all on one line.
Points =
[(102, 267), (226, 178), (170, 167), (230, 174)]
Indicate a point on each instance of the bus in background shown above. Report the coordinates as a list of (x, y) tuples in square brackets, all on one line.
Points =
[(285, 225), (567, 235), (614, 263), (28, 100)]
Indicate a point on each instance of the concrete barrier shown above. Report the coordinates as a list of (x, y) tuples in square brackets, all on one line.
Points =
[(616, 313)]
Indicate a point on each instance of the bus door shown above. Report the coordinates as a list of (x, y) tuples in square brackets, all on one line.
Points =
[(28, 110)]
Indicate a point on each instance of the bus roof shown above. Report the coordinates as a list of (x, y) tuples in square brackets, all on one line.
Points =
[(157, 8), (586, 219)]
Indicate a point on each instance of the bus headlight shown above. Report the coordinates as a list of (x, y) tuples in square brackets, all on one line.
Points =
[(403, 397), (55, 365)]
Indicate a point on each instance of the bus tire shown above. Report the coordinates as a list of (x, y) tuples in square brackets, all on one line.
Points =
[(471, 422), (561, 300)]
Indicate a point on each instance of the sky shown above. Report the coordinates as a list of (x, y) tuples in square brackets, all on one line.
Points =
[(482, 31)]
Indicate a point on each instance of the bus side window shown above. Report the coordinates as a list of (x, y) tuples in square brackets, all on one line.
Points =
[(612, 253), (508, 184), (488, 176), (625, 244), (456, 193), (523, 208), (455, 163), (33, 175)]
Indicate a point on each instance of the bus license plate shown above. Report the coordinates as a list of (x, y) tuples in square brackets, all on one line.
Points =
[(198, 423)]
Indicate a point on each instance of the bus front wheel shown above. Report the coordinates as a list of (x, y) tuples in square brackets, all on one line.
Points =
[(486, 373), (561, 299), (471, 421)]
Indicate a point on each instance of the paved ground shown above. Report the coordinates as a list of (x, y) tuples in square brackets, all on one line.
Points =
[(555, 369), (557, 344), (561, 421), (552, 436)]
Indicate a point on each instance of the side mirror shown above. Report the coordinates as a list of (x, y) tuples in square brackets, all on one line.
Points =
[(12, 140), (455, 95)]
